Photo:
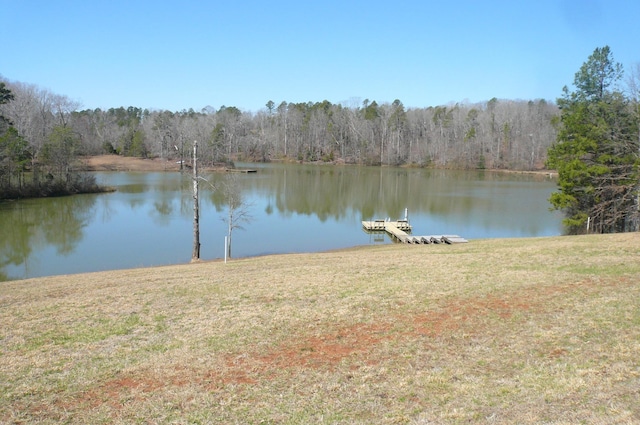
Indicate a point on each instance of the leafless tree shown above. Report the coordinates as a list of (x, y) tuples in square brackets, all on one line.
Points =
[(238, 209), (195, 254), (511, 134)]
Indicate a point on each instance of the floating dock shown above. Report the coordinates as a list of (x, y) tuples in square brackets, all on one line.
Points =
[(381, 225), (399, 231), (240, 170)]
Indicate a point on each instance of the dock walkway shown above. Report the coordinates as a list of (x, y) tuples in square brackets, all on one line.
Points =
[(399, 231)]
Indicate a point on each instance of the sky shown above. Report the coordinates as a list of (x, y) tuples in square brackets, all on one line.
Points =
[(176, 55)]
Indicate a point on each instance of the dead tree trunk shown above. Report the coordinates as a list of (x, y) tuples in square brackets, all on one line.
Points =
[(195, 256)]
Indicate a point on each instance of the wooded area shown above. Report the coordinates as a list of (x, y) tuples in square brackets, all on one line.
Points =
[(52, 132), (36, 136)]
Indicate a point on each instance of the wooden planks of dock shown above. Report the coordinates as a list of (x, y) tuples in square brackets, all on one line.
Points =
[(381, 225), (398, 231)]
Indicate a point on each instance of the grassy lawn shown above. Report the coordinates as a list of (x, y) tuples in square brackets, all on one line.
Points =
[(541, 330)]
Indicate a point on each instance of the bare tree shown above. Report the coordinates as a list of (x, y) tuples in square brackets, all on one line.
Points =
[(62, 107), (195, 255), (493, 134), (238, 210)]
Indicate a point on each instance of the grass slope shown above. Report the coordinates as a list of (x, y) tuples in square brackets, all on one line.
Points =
[(543, 330)]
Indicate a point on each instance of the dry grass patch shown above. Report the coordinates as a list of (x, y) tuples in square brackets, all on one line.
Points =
[(497, 331), (127, 163)]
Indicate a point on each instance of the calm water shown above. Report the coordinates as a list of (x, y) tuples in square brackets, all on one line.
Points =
[(294, 208)]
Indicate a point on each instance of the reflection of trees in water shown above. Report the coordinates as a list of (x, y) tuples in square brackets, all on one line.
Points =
[(362, 193), (379, 192), (66, 220), (168, 203), (15, 246), (172, 194), (335, 192), (164, 208), (28, 225)]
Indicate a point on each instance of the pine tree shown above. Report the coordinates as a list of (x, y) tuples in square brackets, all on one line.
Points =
[(596, 152)]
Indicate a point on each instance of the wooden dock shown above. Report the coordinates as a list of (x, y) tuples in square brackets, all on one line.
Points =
[(381, 225), (399, 231), (240, 170)]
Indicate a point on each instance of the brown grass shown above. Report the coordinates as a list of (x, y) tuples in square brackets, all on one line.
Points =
[(543, 330), (127, 163)]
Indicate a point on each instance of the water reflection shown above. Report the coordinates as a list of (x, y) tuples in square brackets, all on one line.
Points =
[(296, 208), (430, 195), (35, 225)]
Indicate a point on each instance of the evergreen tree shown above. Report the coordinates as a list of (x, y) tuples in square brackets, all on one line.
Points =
[(14, 157), (596, 151), (14, 151), (60, 152), (5, 97)]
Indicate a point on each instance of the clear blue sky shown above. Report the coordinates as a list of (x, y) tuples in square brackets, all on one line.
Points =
[(191, 54)]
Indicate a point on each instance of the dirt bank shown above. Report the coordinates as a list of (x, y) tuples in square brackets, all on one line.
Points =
[(125, 163)]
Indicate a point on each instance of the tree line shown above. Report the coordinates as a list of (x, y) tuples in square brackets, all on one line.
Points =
[(496, 134), (49, 132)]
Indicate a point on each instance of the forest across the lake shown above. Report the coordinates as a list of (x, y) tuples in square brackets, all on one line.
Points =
[(496, 134)]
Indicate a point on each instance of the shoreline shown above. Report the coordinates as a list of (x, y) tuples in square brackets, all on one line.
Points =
[(126, 163), (351, 250)]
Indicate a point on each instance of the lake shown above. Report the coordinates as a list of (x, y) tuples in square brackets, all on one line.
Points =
[(294, 208)]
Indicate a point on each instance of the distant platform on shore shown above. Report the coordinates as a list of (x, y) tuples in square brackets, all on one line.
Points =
[(241, 170)]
